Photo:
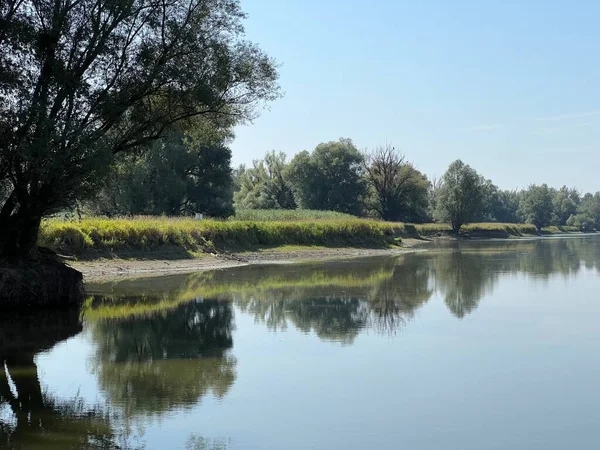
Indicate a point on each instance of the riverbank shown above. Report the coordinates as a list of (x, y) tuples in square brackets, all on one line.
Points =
[(102, 268), (111, 247)]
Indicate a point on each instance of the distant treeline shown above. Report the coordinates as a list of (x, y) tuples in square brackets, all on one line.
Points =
[(182, 175)]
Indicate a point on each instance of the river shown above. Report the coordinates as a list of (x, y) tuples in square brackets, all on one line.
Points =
[(474, 345)]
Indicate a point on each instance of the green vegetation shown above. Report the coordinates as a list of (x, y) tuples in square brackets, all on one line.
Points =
[(87, 81), (536, 205), (159, 236), (178, 175), (330, 178), (151, 233), (460, 196), (399, 191), (290, 214), (265, 185), (588, 213), (489, 229), (135, 116)]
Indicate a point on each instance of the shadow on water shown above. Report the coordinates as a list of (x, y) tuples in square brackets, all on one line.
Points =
[(145, 365), (37, 420)]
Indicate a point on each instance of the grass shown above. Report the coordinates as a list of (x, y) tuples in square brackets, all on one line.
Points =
[(154, 234), (155, 237), (280, 215), (490, 229)]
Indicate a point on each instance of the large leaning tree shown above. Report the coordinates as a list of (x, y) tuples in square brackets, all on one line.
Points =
[(84, 80)]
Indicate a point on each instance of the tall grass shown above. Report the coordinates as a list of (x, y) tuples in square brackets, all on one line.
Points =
[(490, 229), (265, 215), (91, 236), (152, 233)]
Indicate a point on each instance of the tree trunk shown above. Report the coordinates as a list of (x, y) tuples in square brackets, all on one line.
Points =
[(18, 236), (28, 277), (456, 226)]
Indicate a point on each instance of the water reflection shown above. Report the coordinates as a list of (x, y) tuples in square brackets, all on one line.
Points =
[(336, 300), (37, 419), (150, 364), (333, 300), (162, 345)]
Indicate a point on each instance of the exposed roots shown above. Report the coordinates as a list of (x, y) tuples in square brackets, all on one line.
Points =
[(40, 282)]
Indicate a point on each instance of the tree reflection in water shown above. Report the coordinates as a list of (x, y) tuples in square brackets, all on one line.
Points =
[(162, 345), (336, 300), (147, 365), (151, 364), (35, 419)]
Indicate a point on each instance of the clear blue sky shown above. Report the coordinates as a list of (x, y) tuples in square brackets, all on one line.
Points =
[(511, 87)]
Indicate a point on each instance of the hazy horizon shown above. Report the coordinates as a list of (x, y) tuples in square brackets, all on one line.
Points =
[(511, 89)]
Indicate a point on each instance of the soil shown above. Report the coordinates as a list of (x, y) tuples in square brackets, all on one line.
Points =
[(115, 267)]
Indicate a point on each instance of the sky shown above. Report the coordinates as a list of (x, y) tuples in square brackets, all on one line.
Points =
[(510, 87)]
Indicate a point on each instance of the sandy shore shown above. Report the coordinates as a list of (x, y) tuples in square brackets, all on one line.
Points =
[(117, 267)]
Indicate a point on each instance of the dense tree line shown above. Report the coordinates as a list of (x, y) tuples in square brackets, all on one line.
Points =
[(190, 172), (381, 183)]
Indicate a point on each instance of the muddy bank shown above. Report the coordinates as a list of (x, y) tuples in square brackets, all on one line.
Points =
[(110, 268), (39, 283)]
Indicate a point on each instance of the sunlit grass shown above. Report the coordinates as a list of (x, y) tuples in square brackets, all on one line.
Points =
[(512, 229), (150, 233), (263, 215), (126, 236)]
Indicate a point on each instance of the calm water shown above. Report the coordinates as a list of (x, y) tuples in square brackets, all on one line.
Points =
[(490, 345)]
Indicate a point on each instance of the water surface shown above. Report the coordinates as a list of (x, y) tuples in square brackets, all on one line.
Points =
[(481, 345)]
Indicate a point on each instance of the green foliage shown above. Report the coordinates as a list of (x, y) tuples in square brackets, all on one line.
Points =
[(461, 195), (265, 184), (587, 217), (400, 192), (489, 229), (503, 206), (565, 203), (331, 178), (289, 214), (84, 81), (536, 205), (174, 176)]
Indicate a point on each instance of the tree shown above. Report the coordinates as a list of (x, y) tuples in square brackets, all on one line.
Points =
[(401, 191), (536, 205), (265, 185), (565, 203), (331, 178), (587, 217), (503, 206), (461, 195), (175, 176), (85, 80)]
